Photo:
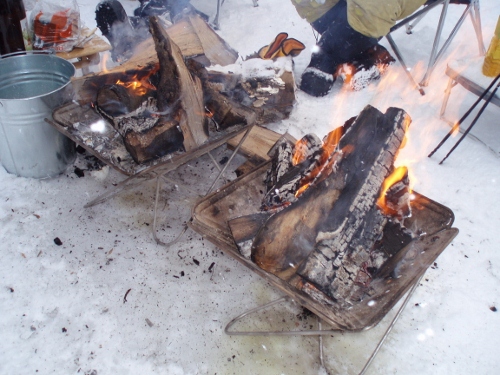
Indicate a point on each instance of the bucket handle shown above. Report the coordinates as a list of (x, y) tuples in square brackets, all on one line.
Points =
[(17, 53)]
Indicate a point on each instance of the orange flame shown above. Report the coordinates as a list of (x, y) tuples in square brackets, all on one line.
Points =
[(333, 139), (325, 162), (139, 83), (300, 152), (104, 63), (397, 175)]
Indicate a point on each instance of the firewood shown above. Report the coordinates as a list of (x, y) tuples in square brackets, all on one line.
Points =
[(327, 236), (144, 56), (214, 47), (178, 91), (117, 100), (245, 228), (224, 111), (146, 136), (281, 161), (160, 140), (258, 142)]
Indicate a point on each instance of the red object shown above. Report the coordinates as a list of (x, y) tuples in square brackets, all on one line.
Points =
[(56, 30)]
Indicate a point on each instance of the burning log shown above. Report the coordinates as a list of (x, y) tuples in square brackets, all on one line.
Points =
[(167, 102), (174, 120), (326, 242), (179, 92)]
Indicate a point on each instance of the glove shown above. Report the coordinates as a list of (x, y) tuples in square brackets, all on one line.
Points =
[(281, 46)]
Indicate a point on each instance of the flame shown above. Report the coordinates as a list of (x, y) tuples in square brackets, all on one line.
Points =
[(299, 154), (397, 175), (103, 66), (139, 84), (326, 161), (301, 190)]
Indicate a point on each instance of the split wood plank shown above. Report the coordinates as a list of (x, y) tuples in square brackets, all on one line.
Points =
[(189, 91), (258, 143)]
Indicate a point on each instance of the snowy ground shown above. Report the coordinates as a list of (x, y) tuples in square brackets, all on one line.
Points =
[(63, 309)]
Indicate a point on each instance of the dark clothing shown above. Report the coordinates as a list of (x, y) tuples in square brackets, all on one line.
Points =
[(339, 42)]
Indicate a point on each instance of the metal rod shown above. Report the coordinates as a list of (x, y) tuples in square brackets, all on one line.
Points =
[(320, 328), (155, 215), (272, 333), (487, 101), (416, 15), (391, 326), (435, 45), (452, 130), (214, 161), (231, 157), (432, 64), (216, 20), (476, 21), (126, 184), (447, 93)]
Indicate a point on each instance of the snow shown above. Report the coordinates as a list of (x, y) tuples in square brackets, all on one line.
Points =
[(63, 309)]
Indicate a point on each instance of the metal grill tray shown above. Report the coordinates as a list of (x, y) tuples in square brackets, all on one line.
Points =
[(87, 128), (243, 197)]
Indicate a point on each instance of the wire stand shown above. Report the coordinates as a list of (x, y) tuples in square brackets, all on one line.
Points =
[(319, 332), (185, 226)]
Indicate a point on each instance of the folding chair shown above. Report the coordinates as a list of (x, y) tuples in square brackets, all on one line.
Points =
[(219, 3), (471, 8)]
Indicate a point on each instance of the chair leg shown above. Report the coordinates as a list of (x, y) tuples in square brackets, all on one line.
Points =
[(447, 93), (434, 53), (476, 22), (216, 19), (219, 3), (397, 52)]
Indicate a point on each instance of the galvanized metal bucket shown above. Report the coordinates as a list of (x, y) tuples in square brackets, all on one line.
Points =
[(31, 86)]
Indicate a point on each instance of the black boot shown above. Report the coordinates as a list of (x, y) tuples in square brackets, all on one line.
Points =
[(115, 25), (316, 82)]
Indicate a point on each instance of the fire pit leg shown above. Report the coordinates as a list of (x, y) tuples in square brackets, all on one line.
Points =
[(157, 194), (320, 332), (155, 216), (162, 169), (235, 151), (391, 326)]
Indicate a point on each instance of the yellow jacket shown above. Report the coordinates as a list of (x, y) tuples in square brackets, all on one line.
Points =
[(372, 18)]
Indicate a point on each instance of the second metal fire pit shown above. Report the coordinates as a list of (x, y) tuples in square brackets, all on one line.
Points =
[(243, 197)]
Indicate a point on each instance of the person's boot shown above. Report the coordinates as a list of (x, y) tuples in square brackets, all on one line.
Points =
[(316, 82), (368, 67), (115, 25)]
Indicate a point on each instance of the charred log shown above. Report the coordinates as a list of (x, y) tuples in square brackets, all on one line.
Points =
[(117, 100), (327, 237)]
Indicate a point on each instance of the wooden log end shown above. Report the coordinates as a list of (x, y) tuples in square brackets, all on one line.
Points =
[(160, 140)]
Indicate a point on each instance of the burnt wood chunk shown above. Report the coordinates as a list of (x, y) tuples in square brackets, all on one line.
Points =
[(117, 100), (147, 136), (224, 111), (162, 139)]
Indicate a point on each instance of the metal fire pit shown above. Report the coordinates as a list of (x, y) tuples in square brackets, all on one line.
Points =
[(87, 128), (243, 197)]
